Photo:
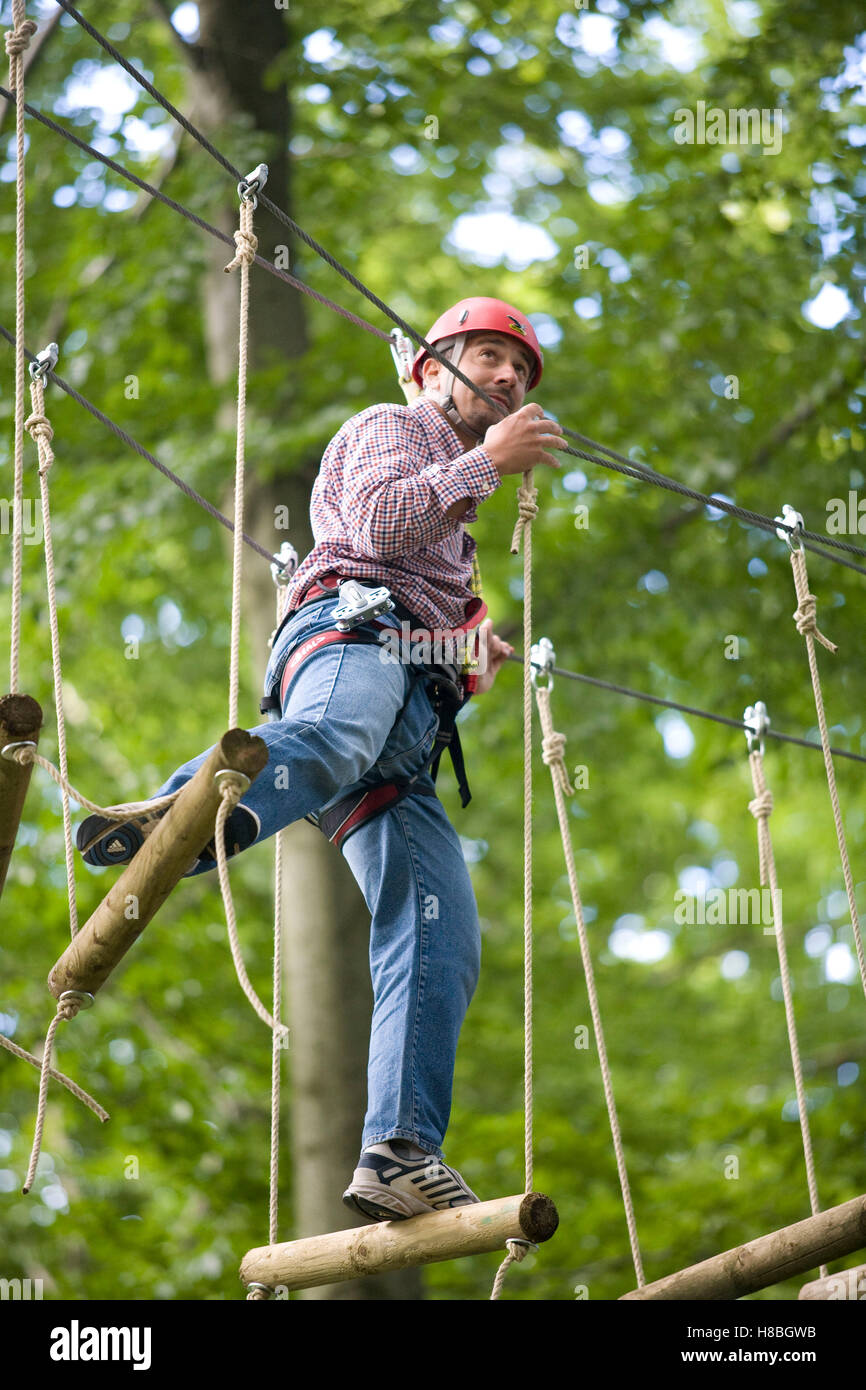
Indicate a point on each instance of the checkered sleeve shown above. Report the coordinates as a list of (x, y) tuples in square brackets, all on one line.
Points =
[(394, 500)]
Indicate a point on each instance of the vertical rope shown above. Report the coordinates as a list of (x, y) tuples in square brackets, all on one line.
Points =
[(233, 785), (553, 748), (66, 1009), (40, 429), (278, 1033), (246, 244), (527, 509), (807, 626), (17, 42), (761, 808)]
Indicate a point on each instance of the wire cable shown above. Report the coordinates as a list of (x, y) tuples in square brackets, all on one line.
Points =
[(632, 469), (690, 709), (143, 453)]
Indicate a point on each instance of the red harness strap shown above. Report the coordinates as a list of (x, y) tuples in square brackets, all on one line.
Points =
[(323, 639)]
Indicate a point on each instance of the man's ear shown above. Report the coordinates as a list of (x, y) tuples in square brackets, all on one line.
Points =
[(430, 370)]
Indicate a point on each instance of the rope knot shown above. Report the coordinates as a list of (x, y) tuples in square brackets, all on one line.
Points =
[(553, 753), (527, 511), (39, 427), (805, 618), (67, 1009), (762, 805), (553, 748), (18, 39), (247, 245)]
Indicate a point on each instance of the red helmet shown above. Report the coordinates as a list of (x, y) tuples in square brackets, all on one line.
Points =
[(483, 315)]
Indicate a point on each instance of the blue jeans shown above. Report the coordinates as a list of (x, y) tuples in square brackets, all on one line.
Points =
[(352, 717)]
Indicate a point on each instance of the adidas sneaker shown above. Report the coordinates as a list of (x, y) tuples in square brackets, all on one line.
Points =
[(396, 1180), (105, 842)]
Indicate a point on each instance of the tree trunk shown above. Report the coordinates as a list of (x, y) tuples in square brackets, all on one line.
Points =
[(326, 924)]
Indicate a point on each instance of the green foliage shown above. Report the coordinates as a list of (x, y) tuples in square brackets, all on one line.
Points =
[(700, 258)]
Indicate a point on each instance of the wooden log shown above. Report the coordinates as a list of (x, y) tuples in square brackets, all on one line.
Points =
[(848, 1284), (166, 855), (20, 722), (475, 1229), (831, 1235)]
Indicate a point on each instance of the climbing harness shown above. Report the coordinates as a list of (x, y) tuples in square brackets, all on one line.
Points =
[(448, 689)]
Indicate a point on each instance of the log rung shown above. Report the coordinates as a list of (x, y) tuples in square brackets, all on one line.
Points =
[(20, 722), (135, 898), (830, 1235), (473, 1229)]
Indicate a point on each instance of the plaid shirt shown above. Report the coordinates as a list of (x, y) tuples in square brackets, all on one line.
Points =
[(378, 510)]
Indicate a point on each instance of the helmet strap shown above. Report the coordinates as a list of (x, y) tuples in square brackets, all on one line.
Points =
[(445, 400)]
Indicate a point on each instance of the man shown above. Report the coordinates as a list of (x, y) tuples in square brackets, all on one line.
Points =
[(357, 727)]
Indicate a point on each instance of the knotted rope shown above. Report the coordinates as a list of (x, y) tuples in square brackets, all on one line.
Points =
[(553, 748), (67, 1008), (246, 244), (232, 787), (122, 813), (761, 808), (517, 1251), (807, 626), (57, 1075), (527, 510), (17, 41), (39, 428), (280, 1034)]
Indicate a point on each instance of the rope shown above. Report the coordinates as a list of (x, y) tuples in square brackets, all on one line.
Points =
[(628, 467), (246, 244), (121, 813), (79, 1094), (40, 430), (553, 748), (761, 808), (277, 1048), (517, 1251), (632, 469), (527, 510), (143, 453), (197, 221), (233, 785), (66, 1010), (690, 709), (17, 42), (807, 626)]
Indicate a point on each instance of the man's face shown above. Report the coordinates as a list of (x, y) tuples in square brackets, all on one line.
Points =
[(496, 362)]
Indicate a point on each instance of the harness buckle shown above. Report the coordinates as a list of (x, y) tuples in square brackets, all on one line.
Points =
[(358, 604)]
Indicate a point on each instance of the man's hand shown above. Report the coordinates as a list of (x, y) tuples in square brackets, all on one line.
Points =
[(518, 442), (496, 651)]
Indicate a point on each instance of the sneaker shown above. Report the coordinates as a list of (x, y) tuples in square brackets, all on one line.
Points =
[(396, 1180), (103, 841)]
